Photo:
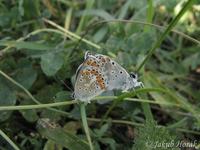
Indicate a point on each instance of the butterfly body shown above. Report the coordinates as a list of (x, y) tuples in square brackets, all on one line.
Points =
[(99, 73)]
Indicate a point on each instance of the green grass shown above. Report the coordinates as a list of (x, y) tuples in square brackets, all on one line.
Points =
[(42, 43)]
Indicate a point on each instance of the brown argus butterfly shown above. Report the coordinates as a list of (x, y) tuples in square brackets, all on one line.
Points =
[(99, 73)]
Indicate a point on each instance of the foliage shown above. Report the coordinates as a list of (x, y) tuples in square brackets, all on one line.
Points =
[(150, 136), (42, 43)]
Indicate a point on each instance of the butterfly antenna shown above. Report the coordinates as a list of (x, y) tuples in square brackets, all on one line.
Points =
[(60, 80)]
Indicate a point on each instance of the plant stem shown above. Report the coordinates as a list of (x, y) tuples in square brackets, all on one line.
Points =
[(121, 97), (26, 91), (150, 14), (71, 34), (84, 18), (31, 34), (15, 147), (152, 25), (169, 28), (147, 112), (85, 125), (135, 124), (69, 102), (156, 45), (38, 106)]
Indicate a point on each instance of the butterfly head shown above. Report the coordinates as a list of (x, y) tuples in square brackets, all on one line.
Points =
[(134, 80), (133, 75)]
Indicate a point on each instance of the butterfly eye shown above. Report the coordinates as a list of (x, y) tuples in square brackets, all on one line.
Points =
[(133, 75)]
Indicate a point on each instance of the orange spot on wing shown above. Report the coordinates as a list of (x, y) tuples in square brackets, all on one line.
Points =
[(87, 72), (94, 64), (100, 81), (93, 72)]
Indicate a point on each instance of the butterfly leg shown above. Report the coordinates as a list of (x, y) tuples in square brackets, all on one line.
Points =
[(140, 84), (125, 91), (87, 101)]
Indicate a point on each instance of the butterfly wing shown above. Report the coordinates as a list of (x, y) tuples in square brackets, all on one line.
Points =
[(99, 73), (89, 80), (117, 76)]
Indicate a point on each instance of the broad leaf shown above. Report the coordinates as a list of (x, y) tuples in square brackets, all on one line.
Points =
[(7, 98), (61, 136), (51, 63)]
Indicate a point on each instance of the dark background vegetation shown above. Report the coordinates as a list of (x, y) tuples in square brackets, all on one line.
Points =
[(42, 57)]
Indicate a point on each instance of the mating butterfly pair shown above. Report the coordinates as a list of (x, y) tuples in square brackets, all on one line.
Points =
[(99, 73)]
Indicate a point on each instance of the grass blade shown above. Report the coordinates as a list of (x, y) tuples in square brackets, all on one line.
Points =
[(84, 18), (72, 35), (150, 13), (15, 147), (27, 92), (169, 28)]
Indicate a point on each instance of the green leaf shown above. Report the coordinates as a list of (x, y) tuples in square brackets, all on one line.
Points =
[(75, 113), (25, 74), (51, 145), (9, 17), (8, 64), (85, 18), (152, 81), (100, 132), (167, 30), (32, 9), (106, 4), (7, 98), (192, 61), (51, 63), (173, 97), (61, 137), (100, 34), (140, 42), (20, 8), (62, 96), (95, 12), (29, 115), (26, 77), (72, 126), (109, 141), (26, 45), (124, 9), (46, 95), (151, 135), (115, 42)]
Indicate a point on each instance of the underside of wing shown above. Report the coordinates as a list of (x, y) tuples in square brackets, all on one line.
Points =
[(117, 76), (89, 81)]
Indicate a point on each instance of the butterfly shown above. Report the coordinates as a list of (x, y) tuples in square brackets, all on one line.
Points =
[(99, 73)]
